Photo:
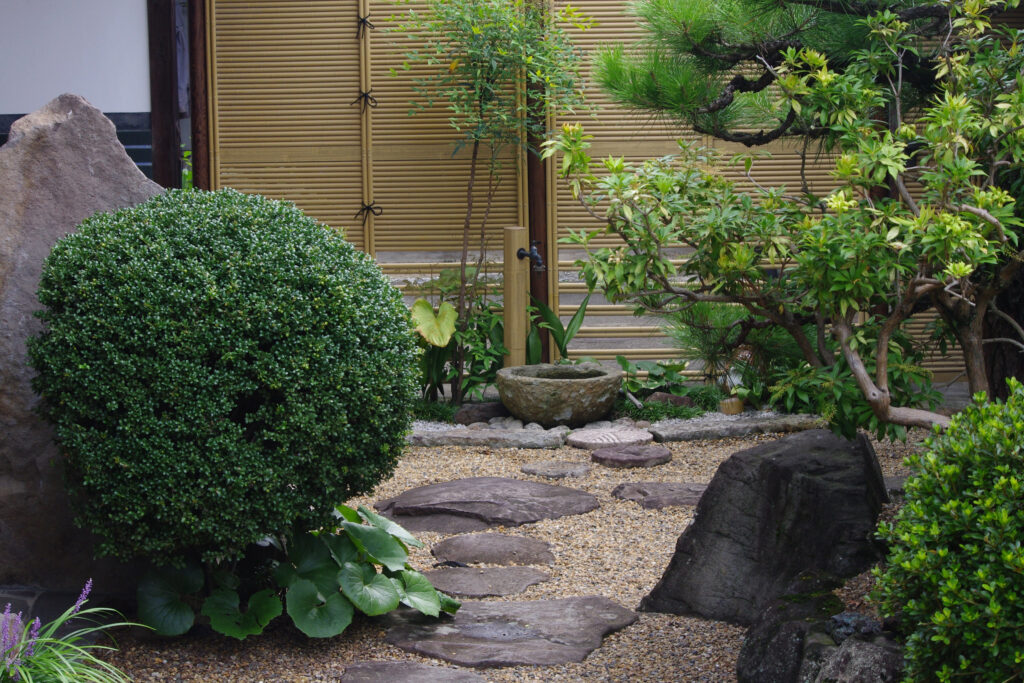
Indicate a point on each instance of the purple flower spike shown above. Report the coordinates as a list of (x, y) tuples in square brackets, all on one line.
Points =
[(33, 635), (5, 630), (83, 597)]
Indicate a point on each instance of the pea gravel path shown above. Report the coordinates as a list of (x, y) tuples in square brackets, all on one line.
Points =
[(619, 551)]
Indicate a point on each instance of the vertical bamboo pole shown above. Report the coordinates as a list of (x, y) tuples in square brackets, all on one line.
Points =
[(366, 131), (517, 284)]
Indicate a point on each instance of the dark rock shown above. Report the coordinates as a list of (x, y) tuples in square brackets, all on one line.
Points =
[(485, 582), (60, 165), (671, 399), (556, 469), (632, 456), (805, 503), (534, 633), (654, 495), (405, 672), (842, 626), (894, 485), (483, 502), (788, 642), (479, 412), (879, 660), (559, 394), (493, 549)]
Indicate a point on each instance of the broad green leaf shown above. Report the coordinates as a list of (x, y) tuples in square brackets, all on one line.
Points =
[(371, 592), (222, 607), (161, 596), (576, 321), (448, 603), (534, 349), (308, 558), (341, 547), (348, 514), (420, 594), (378, 545), (436, 329), (316, 614), (389, 526), (550, 321)]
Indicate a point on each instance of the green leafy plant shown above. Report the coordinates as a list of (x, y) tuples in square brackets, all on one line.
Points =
[(655, 411), (481, 58), (324, 577), (433, 411), (954, 575), (436, 331), (561, 335), (483, 343), (660, 376), (52, 652), (856, 265), (214, 351)]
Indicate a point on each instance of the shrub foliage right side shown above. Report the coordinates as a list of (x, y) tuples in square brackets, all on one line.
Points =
[(219, 367), (955, 572)]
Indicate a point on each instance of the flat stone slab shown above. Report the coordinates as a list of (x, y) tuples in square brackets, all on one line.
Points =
[(654, 495), (405, 672), (490, 634), (484, 502), (556, 469), (493, 438), (591, 439), (632, 456), (493, 549), (473, 582), (741, 425)]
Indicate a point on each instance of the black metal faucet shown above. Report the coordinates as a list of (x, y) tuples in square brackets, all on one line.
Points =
[(533, 255)]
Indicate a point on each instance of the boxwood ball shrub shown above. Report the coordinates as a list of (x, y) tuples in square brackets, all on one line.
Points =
[(219, 367), (955, 573)]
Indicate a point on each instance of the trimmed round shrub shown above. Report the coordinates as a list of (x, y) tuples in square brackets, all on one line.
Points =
[(219, 367), (955, 573)]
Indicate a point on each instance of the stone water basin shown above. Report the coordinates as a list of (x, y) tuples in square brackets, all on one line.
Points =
[(551, 395)]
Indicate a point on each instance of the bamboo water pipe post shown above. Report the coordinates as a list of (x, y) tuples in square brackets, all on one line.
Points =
[(516, 286)]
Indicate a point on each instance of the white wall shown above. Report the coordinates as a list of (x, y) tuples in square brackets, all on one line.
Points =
[(94, 48)]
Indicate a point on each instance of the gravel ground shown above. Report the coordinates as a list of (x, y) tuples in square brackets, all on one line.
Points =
[(619, 551)]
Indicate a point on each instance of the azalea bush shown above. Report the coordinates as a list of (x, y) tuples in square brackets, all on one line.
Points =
[(219, 367), (954, 575)]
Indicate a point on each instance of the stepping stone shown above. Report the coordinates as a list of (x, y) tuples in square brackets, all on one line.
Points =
[(591, 439), (489, 438), (742, 425), (481, 502), (493, 549), (632, 456), (471, 582), (533, 633), (405, 672), (556, 469), (653, 495)]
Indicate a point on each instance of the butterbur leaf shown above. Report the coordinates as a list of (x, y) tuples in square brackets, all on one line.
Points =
[(393, 528), (348, 514), (378, 545), (316, 614), (222, 607), (341, 547), (371, 592), (420, 594), (438, 329), (161, 594), (448, 603)]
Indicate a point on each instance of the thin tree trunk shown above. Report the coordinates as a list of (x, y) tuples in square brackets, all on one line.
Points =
[(459, 354)]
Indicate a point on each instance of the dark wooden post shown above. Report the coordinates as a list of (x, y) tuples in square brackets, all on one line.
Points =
[(163, 85), (198, 103)]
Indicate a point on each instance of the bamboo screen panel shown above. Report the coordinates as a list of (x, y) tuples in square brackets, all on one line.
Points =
[(283, 75)]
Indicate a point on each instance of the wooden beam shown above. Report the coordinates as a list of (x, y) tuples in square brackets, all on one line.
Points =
[(163, 86), (198, 92)]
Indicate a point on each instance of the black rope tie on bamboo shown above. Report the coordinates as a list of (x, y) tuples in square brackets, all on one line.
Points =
[(365, 99), (364, 25), (367, 210)]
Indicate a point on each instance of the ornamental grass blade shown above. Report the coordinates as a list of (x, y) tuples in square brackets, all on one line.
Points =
[(315, 614), (369, 591), (378, 545)]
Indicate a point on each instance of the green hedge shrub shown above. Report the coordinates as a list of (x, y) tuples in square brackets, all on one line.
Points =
[(219, 367), (955, 571)]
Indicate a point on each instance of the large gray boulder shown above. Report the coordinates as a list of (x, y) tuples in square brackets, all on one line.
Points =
[(805, 503), (60, 165)]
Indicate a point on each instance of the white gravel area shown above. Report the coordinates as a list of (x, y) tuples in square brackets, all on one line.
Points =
[(619, 551)]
